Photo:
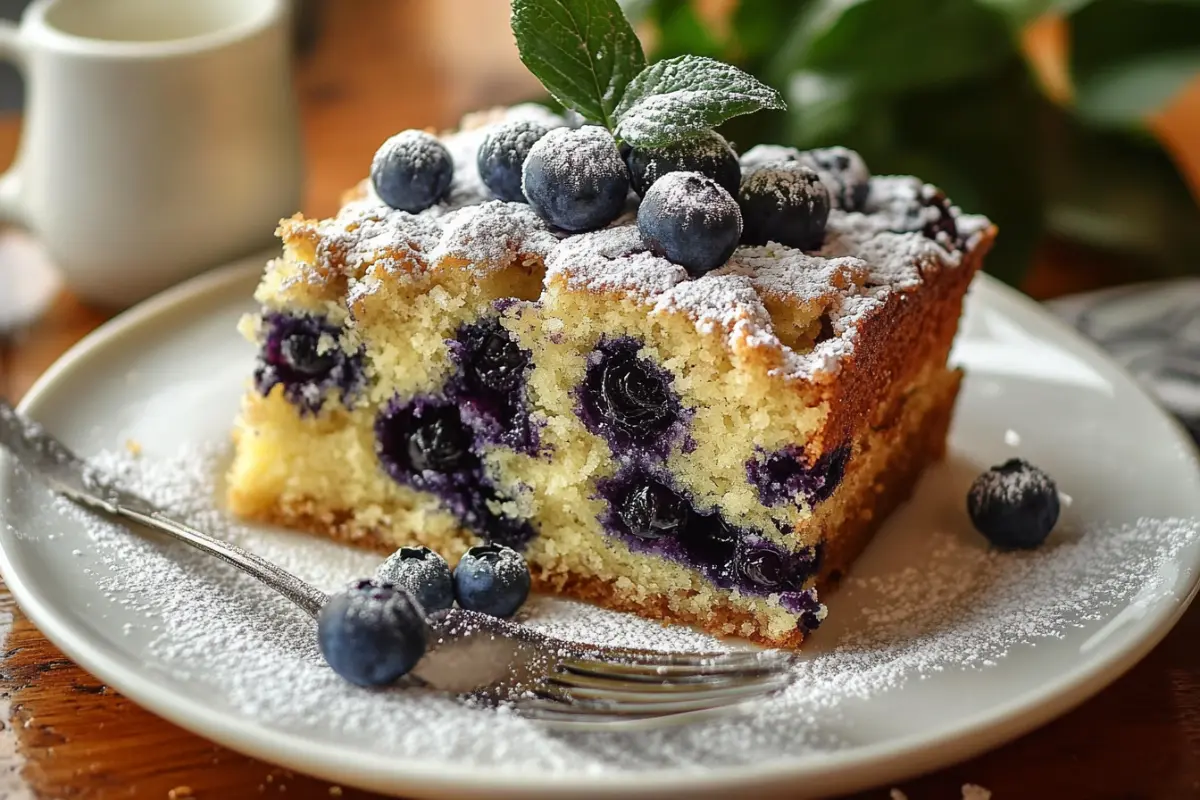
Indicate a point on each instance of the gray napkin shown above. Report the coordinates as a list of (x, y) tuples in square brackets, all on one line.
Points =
[(1151, 329)]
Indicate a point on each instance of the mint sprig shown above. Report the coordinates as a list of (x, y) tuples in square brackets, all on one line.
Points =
[(685, 96), (583, 51), (588, 57)]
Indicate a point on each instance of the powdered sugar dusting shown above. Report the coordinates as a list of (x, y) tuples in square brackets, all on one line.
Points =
[(866, 257), (613, 260), (966, 609)]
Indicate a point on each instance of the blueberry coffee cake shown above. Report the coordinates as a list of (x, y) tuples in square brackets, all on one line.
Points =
[(681, 382)]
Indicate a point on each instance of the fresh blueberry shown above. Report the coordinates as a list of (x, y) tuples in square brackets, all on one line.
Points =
[(497, 362), (844, 173), (767, 569), (690, 220), (762, 155), (423, 573), (784, 202), (709, 541), (438, 441), (371, 633), (575, 178), (1015, 505), (653, 511), (491, 579), (634, 395), (502, 155), (709, 154), (412, 171), (939, 221)]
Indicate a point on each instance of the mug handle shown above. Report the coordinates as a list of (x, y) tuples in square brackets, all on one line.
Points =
[(12, 49)]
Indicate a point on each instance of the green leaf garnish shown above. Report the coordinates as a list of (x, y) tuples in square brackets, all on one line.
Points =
[(583, 51), (685, 96)]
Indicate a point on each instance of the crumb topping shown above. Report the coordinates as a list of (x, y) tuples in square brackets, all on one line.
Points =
[(867, 256)]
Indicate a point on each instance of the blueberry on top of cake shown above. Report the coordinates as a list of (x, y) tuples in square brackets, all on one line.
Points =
[(697, 405)]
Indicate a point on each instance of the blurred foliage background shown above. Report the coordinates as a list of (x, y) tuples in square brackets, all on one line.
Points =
[(950, 90)]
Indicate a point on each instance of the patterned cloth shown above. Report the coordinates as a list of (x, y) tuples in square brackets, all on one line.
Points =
[(1153, 330)]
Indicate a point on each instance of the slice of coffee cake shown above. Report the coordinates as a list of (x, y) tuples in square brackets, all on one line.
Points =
[(704, 447)]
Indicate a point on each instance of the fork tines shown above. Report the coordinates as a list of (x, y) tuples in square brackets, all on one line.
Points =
[(588, 692)]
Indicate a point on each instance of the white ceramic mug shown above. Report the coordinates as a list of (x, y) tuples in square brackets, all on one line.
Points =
[(160, 137)]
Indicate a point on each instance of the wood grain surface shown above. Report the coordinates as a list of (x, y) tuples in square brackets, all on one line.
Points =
[(383, 66)]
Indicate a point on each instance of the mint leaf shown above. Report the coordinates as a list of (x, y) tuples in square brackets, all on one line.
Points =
[(683, 97), (583, 51)]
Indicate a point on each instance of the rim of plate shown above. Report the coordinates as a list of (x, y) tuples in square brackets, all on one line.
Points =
[(840, 771)]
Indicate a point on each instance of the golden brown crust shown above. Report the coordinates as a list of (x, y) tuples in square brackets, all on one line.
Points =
[(912, 330), (909, 455)]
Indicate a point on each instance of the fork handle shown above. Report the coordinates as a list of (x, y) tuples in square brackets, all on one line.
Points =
[(124, 504)]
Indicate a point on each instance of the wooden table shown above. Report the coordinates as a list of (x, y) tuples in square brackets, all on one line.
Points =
[(64, 735)]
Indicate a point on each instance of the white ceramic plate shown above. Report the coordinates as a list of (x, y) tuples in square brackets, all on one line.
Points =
[(935, 649)]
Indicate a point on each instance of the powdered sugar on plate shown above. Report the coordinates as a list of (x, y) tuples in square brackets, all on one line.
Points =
[(966, 608)]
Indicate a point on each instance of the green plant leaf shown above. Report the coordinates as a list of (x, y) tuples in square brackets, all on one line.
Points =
[(682, 32), (685, 96), (1130, 57), (761, 27), (583, 51), (889, 46)]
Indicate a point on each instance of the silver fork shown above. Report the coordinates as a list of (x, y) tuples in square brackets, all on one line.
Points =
[(481, 659)]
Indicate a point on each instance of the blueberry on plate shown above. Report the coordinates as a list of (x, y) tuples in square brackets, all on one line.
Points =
[(784, 202), (845, 175), (421, 572), (690, 220), (491, 579), (1015, 505), (371, 633), (412, 171), (575, 179), (502, 154), (652, 511), (709, 154)]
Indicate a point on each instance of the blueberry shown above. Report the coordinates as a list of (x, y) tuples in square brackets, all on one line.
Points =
[(421, 572), (709, 541), (502, 154), (300, 351), (371, 633), (764, 154), (939, 221), (709, 154), (634, 395), (491, 579), (784, 202), (653, 511), (765, 568), (690, 220), (438, 441), (1015, 505), (412, 171), (497, 362), (844, 173), (575, 178), (292, 355)]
